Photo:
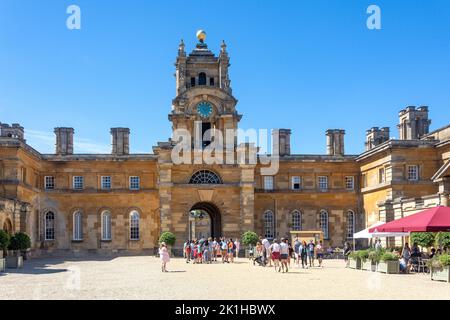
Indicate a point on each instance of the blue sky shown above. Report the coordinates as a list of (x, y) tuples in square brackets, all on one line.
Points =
[(304, 65)]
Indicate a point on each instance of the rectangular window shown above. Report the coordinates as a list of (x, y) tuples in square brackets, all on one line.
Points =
[(134, 183), (192, 82), (49, 183), (413, 173), (323, 182), (349, 183), (381, 175), (24, 174), (268, 183), (296, 183), (78, 183), (106, 183), (211, 81)]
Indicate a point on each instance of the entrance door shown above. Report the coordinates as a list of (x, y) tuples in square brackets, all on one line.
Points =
[(210, 224)]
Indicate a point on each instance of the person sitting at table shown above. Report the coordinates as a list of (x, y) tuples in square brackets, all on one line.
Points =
[(433, 253), (403, 266)]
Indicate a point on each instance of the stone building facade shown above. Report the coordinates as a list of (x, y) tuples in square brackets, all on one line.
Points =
[(121, 202)]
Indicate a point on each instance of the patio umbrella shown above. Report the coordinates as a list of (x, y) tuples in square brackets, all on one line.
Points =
[(365, 234), (430, 220)]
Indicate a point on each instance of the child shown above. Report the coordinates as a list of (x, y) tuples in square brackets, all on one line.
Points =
[(164, 256)]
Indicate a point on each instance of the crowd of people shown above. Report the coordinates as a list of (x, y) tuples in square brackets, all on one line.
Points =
[(281, 253), (211, 250)]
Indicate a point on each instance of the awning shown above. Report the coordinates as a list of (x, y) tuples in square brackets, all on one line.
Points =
[(365, 234)]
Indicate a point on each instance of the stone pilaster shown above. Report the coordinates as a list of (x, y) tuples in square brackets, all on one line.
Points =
[(247, 198)]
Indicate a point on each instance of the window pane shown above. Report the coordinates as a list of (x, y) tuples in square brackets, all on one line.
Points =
[(78, 183), (134, 226), (349, 183), (269, 225), (77, 226), (134, 183), (296, 221), (49, 183), (324, 223), (106, 182), (350, 224), (296, 183), (106, 225), (49, 226), (268, 183), (323, 183)]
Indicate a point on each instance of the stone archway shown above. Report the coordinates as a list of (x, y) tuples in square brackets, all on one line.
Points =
[(214, 216), (7, 226)]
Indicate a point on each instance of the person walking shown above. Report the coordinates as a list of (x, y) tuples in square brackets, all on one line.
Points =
[(231, 250), (303, 249), (268, 254), (275, 252), (319, 250), (311, 247), (297, 245), (237, 244), (224, 248), (187, 251), (284, 254), (214, 250), (164, 256)]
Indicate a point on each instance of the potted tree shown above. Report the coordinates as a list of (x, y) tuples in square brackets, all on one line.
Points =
[(249, 239), (169, 239), (354, 261), (388, 263), (4, 243), (19, 244), (440, 268)]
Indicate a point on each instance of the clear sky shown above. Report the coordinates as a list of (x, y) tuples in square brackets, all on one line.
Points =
[(305, 65)]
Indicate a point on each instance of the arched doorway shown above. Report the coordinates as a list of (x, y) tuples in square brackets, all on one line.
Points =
[(7, 226), (209, 223)]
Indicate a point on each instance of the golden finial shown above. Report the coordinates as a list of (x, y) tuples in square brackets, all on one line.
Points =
[(201, 36)]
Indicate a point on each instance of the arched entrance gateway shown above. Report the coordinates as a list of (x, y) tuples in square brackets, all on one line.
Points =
[(205, 221), (7, 226)]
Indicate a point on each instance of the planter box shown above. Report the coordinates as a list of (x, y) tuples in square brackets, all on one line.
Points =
[(389, 267), (369, 266), (14, 262), (26, 254), (2, 265), (354, 263), (441, 274)]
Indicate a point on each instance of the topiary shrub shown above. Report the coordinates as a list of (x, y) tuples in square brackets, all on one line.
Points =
[(423, 239), (388, 256), (168, 238), (363, 255), (20, 242), (250, 238), (4, 242), (375, 255)]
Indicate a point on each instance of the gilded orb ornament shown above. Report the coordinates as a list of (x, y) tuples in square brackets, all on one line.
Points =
[(201, 35)]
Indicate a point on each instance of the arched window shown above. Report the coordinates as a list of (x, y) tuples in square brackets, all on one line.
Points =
[(350, 224), (324, 223), (134, 225), (77, 226), (202, 79), (49, 226), (296, 221), (106, 225), (205, 177), (269, 225)]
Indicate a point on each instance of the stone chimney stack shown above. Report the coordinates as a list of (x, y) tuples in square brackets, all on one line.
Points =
[(281, 141), (120, 141), (64, 141), (414, 123), (335, 142), (14, 131), (376, 136)]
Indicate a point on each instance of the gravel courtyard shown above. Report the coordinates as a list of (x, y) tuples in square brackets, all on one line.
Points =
[(141, 278)]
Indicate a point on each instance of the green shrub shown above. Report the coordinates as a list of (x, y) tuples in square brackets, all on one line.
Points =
[(444, 260), (388, 256), (250, 238), (20, 241), (4, 242), (168, 238), (442, 239), (423, 239), (354, 255), (375, 255), (363, 255)]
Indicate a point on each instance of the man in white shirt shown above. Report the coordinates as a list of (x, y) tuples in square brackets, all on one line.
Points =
[(284, 254), (267, 253), (275, 250)]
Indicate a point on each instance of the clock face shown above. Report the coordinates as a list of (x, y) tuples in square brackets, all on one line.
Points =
[(204, 109)]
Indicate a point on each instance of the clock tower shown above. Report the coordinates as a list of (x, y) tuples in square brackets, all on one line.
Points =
[(204, 99)]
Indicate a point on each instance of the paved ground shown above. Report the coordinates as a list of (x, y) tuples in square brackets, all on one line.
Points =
[(141, 278)]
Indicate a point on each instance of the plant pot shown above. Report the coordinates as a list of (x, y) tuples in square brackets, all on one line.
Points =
[(389, 267), (26, 254), (368, 265), (354, 263), (2, 265), (441, 274), (14, 262)]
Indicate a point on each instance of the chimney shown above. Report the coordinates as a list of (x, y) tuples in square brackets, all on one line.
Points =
[(64, 141), (14, 131), (376, 136), (281, 141), (335, 142), (413, 123), (120, 141)]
